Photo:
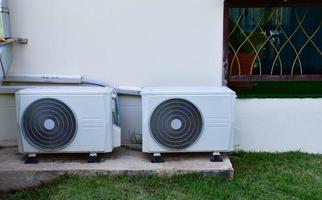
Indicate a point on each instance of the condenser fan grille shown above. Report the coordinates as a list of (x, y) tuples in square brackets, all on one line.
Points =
[(176, 124), (49, 124)]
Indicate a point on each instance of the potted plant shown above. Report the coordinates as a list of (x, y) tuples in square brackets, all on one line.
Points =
[(244, 50), (241, 62)]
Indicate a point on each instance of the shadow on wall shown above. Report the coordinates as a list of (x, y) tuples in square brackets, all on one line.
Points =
[(8, 120), (131, 119)]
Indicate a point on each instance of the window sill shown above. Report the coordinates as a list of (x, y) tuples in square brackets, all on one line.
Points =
[(263, 90)]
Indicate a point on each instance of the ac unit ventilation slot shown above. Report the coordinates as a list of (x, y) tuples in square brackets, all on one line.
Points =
[(176, 124), (49, 124)]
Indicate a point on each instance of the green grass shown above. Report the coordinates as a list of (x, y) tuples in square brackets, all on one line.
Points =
[(257, 176), (282, 90)]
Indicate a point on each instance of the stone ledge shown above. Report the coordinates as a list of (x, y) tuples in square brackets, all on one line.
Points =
[(15, 175)]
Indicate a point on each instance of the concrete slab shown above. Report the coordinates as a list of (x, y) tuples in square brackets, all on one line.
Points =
[(15, 175)]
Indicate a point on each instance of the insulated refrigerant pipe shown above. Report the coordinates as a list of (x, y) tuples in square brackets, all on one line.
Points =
[(60, 79), (65, 79)]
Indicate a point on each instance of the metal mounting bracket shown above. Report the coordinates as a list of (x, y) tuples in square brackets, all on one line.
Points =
[(6, 41)]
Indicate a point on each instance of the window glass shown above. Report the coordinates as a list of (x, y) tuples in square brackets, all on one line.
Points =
[(275, 41)]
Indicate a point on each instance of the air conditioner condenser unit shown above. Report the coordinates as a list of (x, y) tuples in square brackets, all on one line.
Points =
[(188, 119), (66, 120)]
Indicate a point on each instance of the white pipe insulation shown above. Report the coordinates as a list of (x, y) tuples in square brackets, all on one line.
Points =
[(60, 79), (5, 32), (65, 79)]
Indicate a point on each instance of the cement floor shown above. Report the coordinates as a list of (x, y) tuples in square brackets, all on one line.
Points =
[(15, 175)]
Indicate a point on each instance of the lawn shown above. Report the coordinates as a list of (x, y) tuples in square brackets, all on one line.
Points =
[(257, 176)]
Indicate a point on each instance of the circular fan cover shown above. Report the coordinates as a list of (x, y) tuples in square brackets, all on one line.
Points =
[(49, 124), (176, 124)]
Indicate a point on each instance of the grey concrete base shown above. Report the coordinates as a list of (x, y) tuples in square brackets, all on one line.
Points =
[(15, 175)]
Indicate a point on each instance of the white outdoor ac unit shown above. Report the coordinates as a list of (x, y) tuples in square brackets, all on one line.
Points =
[(66, 120), (188, 119)]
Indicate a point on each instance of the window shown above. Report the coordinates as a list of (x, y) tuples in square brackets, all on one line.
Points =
[(273, 40)]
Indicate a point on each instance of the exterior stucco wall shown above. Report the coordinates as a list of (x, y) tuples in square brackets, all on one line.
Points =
[(280, 124), (8, 122), (123, 42), (149, 43)]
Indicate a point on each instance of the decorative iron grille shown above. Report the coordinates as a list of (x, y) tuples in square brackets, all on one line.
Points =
[(275, 43)]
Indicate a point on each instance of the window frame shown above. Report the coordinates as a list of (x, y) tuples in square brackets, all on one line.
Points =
[(262, 4)]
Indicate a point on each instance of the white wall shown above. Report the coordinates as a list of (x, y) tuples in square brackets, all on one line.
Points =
[(123, 42), (280, 124), (146, 43), (8, 127)]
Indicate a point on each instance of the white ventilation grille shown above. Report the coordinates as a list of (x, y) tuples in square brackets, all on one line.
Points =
[(176, 124), (49, 124)]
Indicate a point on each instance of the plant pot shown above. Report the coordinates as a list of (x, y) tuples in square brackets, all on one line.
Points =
[(246, 64)]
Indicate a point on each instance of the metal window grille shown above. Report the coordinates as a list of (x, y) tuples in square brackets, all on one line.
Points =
[(274, 43)]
